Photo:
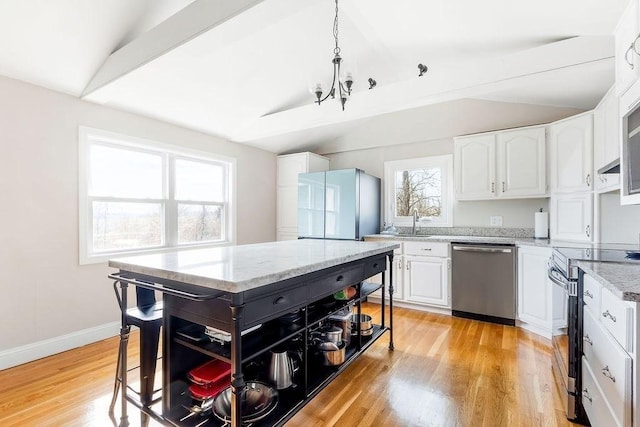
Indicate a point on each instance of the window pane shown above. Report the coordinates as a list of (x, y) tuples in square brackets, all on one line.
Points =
[(199, 223), (199, 181), (118, 225), (116, 172), (419, 190)]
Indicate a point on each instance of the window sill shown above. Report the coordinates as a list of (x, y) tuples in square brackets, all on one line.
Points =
[(104, 257)]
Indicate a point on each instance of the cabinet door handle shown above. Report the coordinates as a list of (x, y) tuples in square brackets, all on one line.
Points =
[(585, 393), (607, 373), (588, 180), (609, 315), (503, 190), (587, 338), (588, 294), (340, 278), (400, 265), (588, 231), (408, 263), (425, 249), (279, 300), (493, 187), (626, 56)]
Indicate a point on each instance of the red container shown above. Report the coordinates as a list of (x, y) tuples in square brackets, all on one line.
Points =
[(201, 393), (210, 373)]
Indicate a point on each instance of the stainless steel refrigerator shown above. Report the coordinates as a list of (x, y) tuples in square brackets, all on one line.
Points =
[(338, 204)]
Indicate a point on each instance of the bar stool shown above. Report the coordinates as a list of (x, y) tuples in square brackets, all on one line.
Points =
[(146, 316)]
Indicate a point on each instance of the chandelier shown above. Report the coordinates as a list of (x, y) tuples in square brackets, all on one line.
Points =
[(339, 83)]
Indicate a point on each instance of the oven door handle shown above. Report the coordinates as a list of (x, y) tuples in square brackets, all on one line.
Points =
[(558, 278)]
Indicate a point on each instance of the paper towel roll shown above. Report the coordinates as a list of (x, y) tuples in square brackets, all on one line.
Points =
[(541, 228)]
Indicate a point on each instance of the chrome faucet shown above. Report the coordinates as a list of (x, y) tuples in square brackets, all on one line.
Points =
[(415, 218)]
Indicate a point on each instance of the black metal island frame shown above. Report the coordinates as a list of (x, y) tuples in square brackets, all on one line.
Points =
[(237, 288)]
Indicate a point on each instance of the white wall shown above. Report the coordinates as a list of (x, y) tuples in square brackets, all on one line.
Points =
[(44, 292), (618, 224), (515, 213)]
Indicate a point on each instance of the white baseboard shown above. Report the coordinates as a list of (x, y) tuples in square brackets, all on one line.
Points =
[(30, 352)]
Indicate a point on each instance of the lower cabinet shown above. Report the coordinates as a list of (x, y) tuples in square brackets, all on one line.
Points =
[(421, 274), (607, 362), (542, 306), (427, 280)]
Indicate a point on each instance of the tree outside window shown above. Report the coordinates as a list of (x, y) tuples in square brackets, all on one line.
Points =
[(418, 190)]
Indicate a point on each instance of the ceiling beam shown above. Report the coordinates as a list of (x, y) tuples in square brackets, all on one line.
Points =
[(475, 78), (198, 17)]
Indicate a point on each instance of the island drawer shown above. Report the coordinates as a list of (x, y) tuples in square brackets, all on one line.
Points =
[(335, 281), (594, 402), (274, 305), (375, 266)]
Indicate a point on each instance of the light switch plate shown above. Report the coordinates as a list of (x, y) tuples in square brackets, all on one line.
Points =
[(496, 221)]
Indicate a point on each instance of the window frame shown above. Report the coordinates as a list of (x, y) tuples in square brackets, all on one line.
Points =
[(169, 205), (445, 162)]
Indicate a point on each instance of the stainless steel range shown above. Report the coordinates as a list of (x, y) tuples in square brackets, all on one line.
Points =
[(567, 347)]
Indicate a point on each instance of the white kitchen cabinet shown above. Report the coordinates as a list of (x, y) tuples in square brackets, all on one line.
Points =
[(398, 278), (571, 217), (289, 166), (571, 154), (627, 62), (474, 167), (426, 273), (504, 164), (609, 362), (421, 274), (427, 280), (542, 306), (606, 141)]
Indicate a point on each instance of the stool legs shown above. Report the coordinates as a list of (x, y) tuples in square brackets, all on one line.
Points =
[(121, 377), (149, 339)]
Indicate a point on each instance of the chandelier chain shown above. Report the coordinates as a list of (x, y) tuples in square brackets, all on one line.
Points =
[(335, 31)]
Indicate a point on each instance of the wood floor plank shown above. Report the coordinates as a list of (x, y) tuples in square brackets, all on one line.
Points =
[(445, 371)]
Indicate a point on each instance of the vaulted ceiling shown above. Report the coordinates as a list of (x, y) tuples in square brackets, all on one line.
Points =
[(242, 69)]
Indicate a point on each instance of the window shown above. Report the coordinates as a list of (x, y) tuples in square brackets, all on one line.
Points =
[(141, 196), (423, 185)]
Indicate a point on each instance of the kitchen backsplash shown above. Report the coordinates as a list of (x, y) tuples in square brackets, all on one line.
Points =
[(470, 231)]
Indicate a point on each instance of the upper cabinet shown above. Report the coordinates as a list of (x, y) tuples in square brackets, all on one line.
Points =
[(289, 166), (506, 164), (606, 141), (626, 47), (571, 154)]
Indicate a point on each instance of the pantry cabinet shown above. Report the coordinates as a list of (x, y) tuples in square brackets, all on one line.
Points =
[(571, 154), (289, 167), (571, 217), (504, 164)]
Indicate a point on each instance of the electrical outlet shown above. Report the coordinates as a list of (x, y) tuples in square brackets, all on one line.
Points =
[(496, 221)]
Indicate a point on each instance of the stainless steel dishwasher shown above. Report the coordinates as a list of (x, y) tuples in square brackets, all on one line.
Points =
[(483, 282)]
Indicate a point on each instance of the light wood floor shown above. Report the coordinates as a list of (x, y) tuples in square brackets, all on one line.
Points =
[(445, 371)]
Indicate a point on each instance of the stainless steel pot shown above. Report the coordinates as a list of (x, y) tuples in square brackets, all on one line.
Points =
[(366, 324), (329, 334), (332, 354)]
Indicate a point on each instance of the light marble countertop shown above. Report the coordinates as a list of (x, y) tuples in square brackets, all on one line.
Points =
[(525, 241), (244, 267), (623, 280)]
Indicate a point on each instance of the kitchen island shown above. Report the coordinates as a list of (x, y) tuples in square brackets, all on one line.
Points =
[(234, 289)]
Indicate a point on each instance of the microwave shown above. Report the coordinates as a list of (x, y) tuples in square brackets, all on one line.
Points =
[(630, 148)]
